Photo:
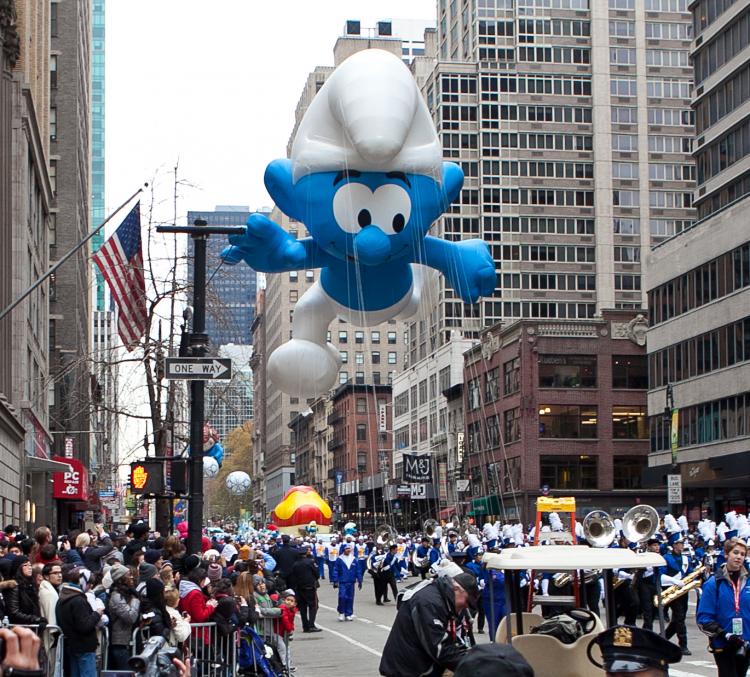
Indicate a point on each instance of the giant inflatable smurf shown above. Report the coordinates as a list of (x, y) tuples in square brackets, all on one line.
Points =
[(367, 179)]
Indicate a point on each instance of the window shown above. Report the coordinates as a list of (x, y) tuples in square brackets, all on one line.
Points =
[(309, 275), (53, 71), (361, 405), (359, 377), (392, 337), (375, 356), (376, 378), (422, 389), (567, 421), (625, 87), (473, 394), (625, 143), (629, 372), (491, 385), (53, 19), (293, 275), (569, 472), (628, 254), (512, 420), (343, 377), (53, 114), (423, 437), (622, 29), (627, 282), (375, 336), (493, 431), (401, 437), (629, 423), (624, 115), (392, 358), (359, 358), (344, 355), (567, 371), (625, 226), (293, 296), (343, 336), (401, 404), (627, 471), (668, 58), (622, 56), (511, 376)]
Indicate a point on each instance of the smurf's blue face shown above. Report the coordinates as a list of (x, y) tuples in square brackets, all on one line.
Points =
[(370, 217)]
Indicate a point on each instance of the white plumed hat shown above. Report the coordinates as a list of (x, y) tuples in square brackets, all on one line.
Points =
[(368, 116)]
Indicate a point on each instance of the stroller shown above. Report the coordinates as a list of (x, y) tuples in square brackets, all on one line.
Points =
[(257, 658)]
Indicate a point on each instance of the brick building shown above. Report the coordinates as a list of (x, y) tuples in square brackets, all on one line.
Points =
[(362, 444), (561, 404)]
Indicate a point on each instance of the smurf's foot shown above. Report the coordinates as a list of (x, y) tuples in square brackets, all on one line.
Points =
[(304, 369)]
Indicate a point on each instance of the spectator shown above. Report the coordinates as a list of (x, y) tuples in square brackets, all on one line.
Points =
[(145, 572), (154, 556), (229, 551), (48, 554), (304, 582), (174, 551), (42, 536), (22, 601), (154, 613), (78, 623), (166, 574), (180, 623), (124, 609), (231, 611), (48, 591), (284, 627), (285, 556), (90, 553), (139, 532), (265, 609)]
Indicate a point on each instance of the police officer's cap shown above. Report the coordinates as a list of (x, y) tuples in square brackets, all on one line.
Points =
[(626, 648)]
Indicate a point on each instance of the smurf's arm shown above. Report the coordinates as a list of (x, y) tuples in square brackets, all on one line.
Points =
[(268, 248), (467, 266)]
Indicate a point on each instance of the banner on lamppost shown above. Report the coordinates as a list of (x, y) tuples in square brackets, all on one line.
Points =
[(674, 434), (417, 469)]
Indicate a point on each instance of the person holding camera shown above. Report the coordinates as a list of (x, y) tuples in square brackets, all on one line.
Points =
[(724, 611), (124, 608)]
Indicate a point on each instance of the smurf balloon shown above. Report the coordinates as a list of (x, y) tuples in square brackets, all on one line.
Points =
[(367, 179)]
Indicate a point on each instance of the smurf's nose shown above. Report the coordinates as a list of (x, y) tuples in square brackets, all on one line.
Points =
[(371, 246)]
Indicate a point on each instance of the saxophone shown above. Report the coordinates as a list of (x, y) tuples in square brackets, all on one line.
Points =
[(690, 582)]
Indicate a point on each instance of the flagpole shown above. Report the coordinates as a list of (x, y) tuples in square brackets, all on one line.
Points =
[(41, 280)]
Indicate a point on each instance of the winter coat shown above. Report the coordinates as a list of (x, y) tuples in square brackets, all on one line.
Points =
[(422, 640), (181, 628), (266, 614), (5, 586), (304, 575), (284, 625), (48, 597), (22, 603), (77, 620), (193, 601), (285, 557), (159, 624), (716, 607), (72, 556), (348, 574), (229, 616), (130, 549), (124, 613), (92, 557)]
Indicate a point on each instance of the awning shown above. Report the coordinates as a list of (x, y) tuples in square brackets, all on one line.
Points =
[(486, 505), (445, 513), (35, 464)]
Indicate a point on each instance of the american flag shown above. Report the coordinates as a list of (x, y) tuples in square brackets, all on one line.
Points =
[(121, 261)]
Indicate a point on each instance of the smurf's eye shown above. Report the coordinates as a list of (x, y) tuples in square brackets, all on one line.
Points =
[(352, 207), (391, 208), (364, 218)]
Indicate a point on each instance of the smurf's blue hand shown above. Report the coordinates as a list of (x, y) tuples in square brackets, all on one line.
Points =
[(265, 247), (468, 266)]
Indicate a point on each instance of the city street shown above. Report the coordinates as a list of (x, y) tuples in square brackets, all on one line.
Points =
[(356, 647)]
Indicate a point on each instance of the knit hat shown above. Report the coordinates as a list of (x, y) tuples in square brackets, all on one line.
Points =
[(115, 555), (117, 572), (245, 552), (214, 572), (258, 579), (152, 556), (146, 571), (190, 562)]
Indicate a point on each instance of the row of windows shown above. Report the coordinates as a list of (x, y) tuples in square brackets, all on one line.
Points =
[(496, 54), (669, 172), (359, 336), (534, 168), (668, 199), (533, 141), (677, 6), (725, 98), (455, 84), (627, 282), (556, 27), (548, 309), (701, 354), (581, 472), (622, 56), (553, 4), (359, 378), (724, 419), (461, 141), (359, 357), (723, 152), (669, 58), (580, 55), (548, 252), (727, 43), (544, 281), (708, 282), (627, 254), (667, 30), (511, 83), (537, 196), (622, 29), (488, 30), (669, 227), (706, 12), (659, 143), (729, 193), (664, 88), (673, 117), (528, 113), (540, 224), (581, 422), (459, 113)]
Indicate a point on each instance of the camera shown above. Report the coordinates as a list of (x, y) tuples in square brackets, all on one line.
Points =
[(156, 659)]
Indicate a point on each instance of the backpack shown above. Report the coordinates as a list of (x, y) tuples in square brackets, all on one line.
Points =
[(562, 627)]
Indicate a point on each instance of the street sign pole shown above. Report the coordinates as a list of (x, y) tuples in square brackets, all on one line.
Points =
[(198, 343)]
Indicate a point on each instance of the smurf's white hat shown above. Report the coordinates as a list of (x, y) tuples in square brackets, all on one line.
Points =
[(368, 116)]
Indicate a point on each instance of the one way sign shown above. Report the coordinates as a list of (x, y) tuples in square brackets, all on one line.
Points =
[(199, 368)]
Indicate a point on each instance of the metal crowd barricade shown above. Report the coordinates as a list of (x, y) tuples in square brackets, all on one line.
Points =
[(210, 653), (52, 648)]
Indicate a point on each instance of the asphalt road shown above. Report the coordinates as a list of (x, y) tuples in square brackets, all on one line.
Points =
[(354, 648)]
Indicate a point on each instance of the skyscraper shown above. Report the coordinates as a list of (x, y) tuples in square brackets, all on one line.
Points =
[(97, 139), (572, 124), (699, 287), (230, 295)]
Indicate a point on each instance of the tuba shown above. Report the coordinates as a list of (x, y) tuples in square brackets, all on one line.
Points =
[(640, 523), (599, 529), (429, 528), (386, 534)]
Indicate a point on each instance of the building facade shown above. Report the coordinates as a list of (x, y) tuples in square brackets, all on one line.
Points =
[(557, 407), (699, 288), (258, 367), (230, 297), (571, 121), (230, 404)]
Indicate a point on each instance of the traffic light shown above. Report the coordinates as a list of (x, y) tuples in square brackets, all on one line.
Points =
[(147, 477)]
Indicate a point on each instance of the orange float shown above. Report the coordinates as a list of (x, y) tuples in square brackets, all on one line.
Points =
[(300, 506)]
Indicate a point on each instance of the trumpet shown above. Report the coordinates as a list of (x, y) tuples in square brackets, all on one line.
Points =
[(690, 582)]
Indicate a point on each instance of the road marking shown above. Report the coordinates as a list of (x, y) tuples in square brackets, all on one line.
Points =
[(364, 647), (701, 664), (385, 627), (357, 618), (681, 673), (365, 620)]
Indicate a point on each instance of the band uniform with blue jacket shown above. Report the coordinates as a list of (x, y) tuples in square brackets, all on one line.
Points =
[(724, 611), (347, 574), (679, 565)]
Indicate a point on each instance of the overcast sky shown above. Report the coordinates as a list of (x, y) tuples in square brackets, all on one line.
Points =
[(214, 85)]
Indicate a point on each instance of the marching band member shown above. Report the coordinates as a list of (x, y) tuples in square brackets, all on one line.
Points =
[(678, 566), (724, 611), (401, 556), (475, 566), (361, 550), (426, 552), (320, 558), (332, 554), (646, 587), (390, 562), (347, 574)]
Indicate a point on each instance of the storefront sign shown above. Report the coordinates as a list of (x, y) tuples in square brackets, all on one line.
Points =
[(74, 485), (417, 468), (382, 419)]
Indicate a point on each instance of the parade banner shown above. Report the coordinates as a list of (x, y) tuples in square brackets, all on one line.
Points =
[(417, 469)]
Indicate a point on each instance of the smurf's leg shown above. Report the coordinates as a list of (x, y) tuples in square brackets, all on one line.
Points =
[(307, 365), (424, 293)]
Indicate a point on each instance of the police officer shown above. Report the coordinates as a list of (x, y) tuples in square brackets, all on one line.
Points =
[(628, 650)]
